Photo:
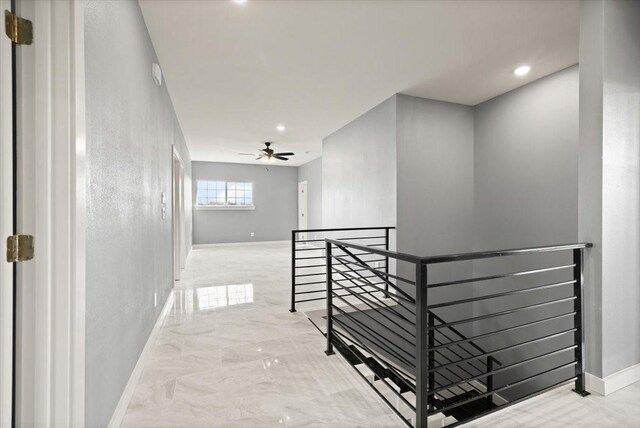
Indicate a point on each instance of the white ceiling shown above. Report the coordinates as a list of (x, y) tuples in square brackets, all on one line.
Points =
[(235, 71)]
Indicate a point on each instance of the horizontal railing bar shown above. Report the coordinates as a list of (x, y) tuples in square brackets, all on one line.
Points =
[(346, 239), (512, 402), (502, 388), (360, 254), (460, 367), (386, 253), (501, 369), (507, 312), (500, 253), (505, 275), (342, 338), (382, 304), (300, 284), (504, 294), (311, 300), (410, 342), (455, 331), (323, 248), (341, 229), (324, 290), (382, 275), (310, 266), (506, 348), (456, 353), (322, 298), (381, 395), (353, 331), (400, 372), (370, 268), (504, 330), (311, 274)]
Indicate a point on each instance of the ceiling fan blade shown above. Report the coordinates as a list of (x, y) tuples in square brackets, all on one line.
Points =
[(247, 154), (259, 157), (284, 154), (280, 157)]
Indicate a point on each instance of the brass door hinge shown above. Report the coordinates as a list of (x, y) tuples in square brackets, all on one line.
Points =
[(19, 30), (19, 248)]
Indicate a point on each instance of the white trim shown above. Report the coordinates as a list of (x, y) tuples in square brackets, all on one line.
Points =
[(51, 123), (614, 382), (224, 244), (6, 227), (225, 207), (127, 394)]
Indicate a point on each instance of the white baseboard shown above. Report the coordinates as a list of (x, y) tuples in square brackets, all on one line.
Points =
[(613, 382), (127, 394), (225, 244)]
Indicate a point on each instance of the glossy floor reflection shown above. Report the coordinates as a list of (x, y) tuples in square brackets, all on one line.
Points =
[(231, 355)]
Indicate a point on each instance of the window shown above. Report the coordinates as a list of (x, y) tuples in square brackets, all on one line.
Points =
[(221, 194)]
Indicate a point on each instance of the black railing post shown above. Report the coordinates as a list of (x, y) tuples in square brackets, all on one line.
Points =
[(578, 304), (422, 342), (489, 381), (386, 262), (293, 271), (329, 350), (432, 355)]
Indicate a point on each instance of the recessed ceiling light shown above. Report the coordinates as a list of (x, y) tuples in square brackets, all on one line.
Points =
[(522, 70), (239, 1), (281, 128)]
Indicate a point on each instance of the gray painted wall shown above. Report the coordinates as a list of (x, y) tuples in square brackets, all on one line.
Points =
[(435, 176), (131, 126), (275, 196), (610, 178), (526, 194), (526, 165), (359, 171), (311, 172), (435, 190)]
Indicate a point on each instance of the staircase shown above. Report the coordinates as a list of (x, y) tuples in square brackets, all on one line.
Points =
[(394, 374), (442, 353)]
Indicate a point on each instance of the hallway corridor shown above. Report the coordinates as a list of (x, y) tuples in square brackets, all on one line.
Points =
[(230, 354)]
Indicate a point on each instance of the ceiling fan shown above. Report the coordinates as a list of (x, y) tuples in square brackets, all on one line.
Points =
[(268, 155)]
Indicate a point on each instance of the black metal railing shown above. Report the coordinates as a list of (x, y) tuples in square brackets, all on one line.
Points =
[(308, 282), (457, 337)]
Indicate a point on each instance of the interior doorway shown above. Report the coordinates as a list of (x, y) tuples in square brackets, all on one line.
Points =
[(177, 199), (303, 217)]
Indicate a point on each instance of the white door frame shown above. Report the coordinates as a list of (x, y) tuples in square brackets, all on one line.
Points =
[(303, 213), (6, 228), (51, 314), (177, 213)]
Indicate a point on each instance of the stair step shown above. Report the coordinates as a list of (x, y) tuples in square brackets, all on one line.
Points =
[(465, 411)]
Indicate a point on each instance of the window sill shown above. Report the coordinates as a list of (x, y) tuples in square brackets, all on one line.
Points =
[(225, 207)]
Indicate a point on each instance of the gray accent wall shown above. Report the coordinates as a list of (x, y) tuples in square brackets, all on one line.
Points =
[(359, 171), (526, 165), (435, 176), (131, 127), (609, 174), (311, 172), (275, 196), (526, 194)]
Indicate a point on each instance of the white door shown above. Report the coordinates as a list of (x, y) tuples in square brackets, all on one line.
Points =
[(302, 208), (7, 318)]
